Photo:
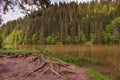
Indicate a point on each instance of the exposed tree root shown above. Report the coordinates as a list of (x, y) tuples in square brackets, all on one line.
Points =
[(1, 56), (52, 69), (10, 55), (45, 71), (34, 59), (46, 65), (40, 67), (13, 56), (50, 65)]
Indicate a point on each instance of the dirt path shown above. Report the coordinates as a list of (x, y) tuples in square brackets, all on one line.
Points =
[(33, 67)]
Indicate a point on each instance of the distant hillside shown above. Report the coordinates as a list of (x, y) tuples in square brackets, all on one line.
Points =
[(68, 23)]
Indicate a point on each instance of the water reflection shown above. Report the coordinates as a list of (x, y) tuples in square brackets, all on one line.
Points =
[(108, 55)]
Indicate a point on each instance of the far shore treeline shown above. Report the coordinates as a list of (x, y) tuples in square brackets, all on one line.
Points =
[(67, 23)]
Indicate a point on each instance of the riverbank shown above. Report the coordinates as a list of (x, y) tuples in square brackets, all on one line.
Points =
[(78, 61)]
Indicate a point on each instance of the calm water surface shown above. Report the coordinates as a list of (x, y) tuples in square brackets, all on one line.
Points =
[(109, 56)]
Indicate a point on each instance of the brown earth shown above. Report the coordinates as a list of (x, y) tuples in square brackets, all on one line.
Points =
[(34, 67)]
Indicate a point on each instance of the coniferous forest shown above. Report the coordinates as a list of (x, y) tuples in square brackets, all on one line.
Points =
[(67, 23)]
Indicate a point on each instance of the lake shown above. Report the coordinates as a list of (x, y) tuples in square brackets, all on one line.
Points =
[(109, 56)]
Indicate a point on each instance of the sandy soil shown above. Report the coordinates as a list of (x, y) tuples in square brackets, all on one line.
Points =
[(34, 67)]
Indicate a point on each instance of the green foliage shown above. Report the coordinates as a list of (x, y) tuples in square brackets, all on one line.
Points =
[(14, 38), (1, 39), (51, 39), (82, 38), (111, 9), (116, 39), (71, 23), (109, 28), (92, 38), (34, 38), (96, 76), (116, 20), (112, 35), (105, 8), (107, 38), (114, 24)]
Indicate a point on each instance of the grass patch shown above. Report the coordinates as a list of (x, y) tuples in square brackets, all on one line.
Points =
[(79, 61), (2, 51), (95, 75)]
